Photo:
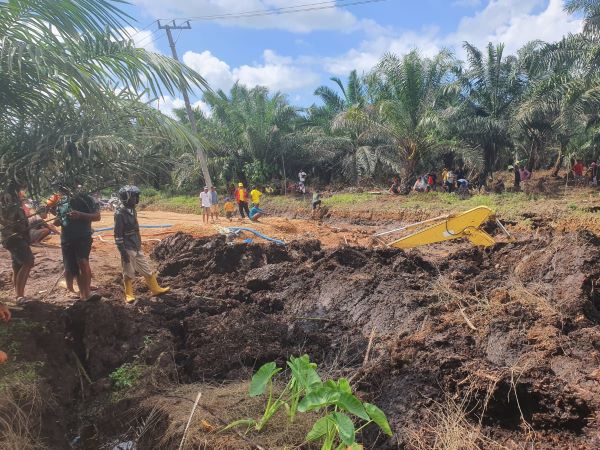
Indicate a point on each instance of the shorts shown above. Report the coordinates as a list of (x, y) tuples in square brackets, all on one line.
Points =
[(75, 251), (20, 252), (205, 209), (214, 209), (229, 214), (138, 262)]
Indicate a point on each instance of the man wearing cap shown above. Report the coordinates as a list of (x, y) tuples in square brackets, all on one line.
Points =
[(205, 202), (241, 197)]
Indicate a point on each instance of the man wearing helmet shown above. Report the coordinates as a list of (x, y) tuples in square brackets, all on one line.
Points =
[(129, 243)]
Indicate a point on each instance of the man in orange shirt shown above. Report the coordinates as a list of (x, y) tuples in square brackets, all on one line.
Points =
[(241, 197)]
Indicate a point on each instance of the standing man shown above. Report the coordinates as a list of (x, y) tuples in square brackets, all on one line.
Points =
[(75, 213), (241, 197), (302, 179), (255, 196), (129, 244), (205, 204), (15, 238), (214, 204)]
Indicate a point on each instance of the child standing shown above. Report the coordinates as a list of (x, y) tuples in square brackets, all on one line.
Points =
[(229, 208)]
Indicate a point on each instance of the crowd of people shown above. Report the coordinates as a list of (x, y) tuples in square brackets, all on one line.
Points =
[(73, 212), (455, 180), (248, 203)]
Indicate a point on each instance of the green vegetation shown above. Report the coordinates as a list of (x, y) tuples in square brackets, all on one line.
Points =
[(125, 376), (306, 392), (72, 95), (411, 114), (74, 104)]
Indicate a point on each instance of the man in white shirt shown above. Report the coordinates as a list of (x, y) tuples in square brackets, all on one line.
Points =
[(302, 183), (205, 203)]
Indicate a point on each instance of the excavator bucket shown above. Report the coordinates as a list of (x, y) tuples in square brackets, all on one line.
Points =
[(467, 224)]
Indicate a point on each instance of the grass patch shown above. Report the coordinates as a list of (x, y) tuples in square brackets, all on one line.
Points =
[(126, 376)]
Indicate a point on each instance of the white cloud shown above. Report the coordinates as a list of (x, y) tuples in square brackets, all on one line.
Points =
[(512, 22), (167, 104), (299, 22), (278, 73), (142, 39), (216, 72)]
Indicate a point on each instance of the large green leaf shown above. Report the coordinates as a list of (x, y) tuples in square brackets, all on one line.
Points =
[(262, 377), (378, 416), (319, 398), (344, 386), (345, 427), (351, 404), (321, 427), (304, 372)]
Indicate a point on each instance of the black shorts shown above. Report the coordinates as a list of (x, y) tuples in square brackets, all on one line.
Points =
[(20, 252), (75, 251)]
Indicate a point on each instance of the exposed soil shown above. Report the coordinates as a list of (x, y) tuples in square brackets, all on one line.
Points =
[(511, 334)]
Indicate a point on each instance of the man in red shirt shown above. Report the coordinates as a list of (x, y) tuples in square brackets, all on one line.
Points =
[(241, 197), (578, 168)]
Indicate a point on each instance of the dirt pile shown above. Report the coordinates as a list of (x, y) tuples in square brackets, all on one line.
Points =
[(504, 345)]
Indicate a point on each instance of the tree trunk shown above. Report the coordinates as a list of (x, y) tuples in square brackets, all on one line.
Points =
[(559, 160)]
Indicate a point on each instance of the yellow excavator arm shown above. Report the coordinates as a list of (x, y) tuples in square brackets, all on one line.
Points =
[(463, 225)]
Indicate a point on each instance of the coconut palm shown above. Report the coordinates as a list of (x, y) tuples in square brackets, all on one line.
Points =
[(72, 62)]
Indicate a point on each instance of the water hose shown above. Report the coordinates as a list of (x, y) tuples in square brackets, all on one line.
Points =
[(166, 225), (237, 230)]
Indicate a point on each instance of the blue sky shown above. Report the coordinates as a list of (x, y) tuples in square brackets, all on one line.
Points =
[(295, 53)]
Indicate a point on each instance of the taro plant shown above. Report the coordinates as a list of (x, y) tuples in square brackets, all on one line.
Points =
[(306, 392)]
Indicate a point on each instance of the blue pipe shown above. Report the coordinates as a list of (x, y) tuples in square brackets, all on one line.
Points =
[(167, 225), (260, 235)]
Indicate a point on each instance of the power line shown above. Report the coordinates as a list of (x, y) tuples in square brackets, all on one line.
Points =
[(142, 29), (331, 4), (152, 37)]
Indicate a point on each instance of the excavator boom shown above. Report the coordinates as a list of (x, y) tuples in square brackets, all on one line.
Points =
[(467, 224)]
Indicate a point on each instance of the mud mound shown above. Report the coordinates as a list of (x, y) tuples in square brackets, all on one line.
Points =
[(511, 335)]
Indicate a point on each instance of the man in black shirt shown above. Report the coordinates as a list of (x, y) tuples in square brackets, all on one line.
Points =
[(76, 212), (15, 238)]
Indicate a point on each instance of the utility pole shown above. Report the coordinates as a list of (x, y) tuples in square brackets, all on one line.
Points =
[(188, 106)]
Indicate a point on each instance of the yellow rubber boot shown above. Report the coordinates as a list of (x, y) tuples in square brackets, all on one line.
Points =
[(154, 287), (129, 294)]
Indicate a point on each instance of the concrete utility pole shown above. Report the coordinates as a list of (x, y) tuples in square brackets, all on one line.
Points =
[(188, 106)]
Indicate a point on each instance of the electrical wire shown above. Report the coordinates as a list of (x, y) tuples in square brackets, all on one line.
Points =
[(143, 29), (331, 4)]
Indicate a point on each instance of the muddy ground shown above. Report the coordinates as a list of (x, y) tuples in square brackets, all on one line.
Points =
[(483, 349)]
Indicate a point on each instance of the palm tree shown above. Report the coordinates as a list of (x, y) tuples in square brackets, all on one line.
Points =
[(490, 88), (343, 147), (248, 134), (408, 100), (71, 62)]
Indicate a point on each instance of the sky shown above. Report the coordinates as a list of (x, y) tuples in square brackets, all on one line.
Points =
[(296, 53)]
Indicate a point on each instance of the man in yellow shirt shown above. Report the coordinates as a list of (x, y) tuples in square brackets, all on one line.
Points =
[(255, 195)]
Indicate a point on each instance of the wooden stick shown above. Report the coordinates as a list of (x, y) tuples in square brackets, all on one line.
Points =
[(469, 323), (187, 426), (312, 318), (368, 352)]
